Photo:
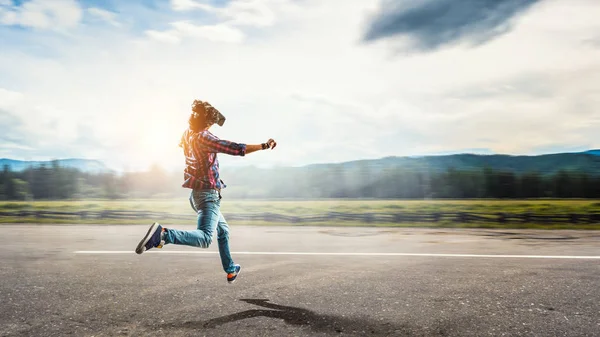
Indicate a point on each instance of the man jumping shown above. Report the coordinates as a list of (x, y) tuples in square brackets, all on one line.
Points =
[(201, 175)]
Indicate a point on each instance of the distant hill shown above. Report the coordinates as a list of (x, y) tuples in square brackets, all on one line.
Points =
[(588, 161), (84, 165), (594, 152), (544, 164), (406, 176), (434, 176)]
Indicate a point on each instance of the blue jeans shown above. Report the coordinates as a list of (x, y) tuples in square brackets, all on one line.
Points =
[(207, 205)]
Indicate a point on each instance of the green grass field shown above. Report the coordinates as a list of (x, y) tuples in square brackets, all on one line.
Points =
[(299, 207), (309, 207)]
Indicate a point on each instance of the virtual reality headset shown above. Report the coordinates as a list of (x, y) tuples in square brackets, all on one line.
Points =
[(212, 115)]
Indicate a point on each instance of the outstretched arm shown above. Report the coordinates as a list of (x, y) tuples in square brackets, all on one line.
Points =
[(270, 144), (216, 145)]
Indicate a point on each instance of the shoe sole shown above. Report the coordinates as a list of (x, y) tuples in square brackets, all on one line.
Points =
[(236, 277), (141, 247)]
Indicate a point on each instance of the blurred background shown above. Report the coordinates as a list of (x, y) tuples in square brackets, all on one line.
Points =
[(431, 113), (558, 190)]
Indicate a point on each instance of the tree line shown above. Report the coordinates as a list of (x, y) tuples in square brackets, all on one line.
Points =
[(55, 183), (399, 183)]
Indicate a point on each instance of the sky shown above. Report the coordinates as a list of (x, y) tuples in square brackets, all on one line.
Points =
[(330, 81)]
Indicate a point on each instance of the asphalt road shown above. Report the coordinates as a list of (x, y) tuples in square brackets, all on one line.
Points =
[(87, 281)]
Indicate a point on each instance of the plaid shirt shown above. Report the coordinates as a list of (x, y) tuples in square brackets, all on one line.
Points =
[(202, 165)]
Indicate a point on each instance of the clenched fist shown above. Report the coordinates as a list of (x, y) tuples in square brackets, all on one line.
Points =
[(271, 143)]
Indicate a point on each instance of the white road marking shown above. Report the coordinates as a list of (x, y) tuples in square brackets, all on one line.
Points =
[(98, 252)]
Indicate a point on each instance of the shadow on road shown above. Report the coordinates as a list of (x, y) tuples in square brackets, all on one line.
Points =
[(304, 317)]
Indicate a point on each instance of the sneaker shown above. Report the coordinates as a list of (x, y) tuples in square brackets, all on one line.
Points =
[(232, 276), (153, 239)]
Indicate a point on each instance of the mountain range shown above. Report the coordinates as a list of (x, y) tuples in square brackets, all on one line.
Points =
[(84, 165), (588, 161)]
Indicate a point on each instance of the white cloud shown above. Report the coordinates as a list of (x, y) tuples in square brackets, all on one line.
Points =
[(170, 36), (308, 82), (218, 33), (9, 98), (259, 13), (186, 5), (237, 13), (44, 14), (105, 15), (34, 129), (183, 29), (249, 13), (7, 17)]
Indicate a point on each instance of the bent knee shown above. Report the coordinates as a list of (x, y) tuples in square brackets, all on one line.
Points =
[(203, 239), (223, 235)]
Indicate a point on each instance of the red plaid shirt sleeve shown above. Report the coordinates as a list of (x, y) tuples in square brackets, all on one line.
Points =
[(215, 145)]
